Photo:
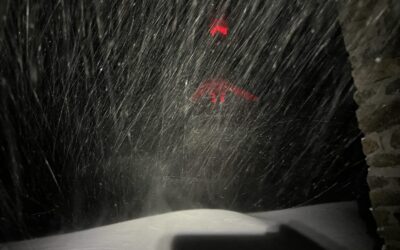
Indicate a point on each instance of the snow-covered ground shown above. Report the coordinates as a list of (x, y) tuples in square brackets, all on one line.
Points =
[(332, 226)]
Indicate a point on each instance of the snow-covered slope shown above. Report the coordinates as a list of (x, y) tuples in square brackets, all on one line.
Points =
[(333, 226), (154, 232)]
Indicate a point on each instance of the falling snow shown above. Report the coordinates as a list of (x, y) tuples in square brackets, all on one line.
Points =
[(98, 124)]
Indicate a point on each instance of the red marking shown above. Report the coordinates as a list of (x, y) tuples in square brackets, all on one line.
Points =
[(219, 26), (219, 88)]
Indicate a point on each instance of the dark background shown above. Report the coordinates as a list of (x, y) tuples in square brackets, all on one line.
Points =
[(97, 126)]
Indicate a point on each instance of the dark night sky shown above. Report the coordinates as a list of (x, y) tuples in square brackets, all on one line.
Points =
[(97, 126)]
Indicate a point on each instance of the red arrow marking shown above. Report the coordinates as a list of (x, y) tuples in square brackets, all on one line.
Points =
[(219, 26), (219, 29), (219, 89)]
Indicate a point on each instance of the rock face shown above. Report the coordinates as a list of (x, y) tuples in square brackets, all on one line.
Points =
[(371, 33)]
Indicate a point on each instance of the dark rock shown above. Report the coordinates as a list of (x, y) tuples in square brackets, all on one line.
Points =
[(377, 182), (377, 119), (392, 232), (369, 146), (383, 160), (385, 197), (393, 87), (381, 216), (361, 96), (396, 215), (395, 140), (390, 247)]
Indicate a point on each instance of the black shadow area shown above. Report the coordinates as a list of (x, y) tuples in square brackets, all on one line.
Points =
[(286, 238)]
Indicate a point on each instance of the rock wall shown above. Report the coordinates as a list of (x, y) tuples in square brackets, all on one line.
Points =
[(371, 33)]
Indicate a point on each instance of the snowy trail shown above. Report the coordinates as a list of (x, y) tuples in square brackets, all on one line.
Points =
[(334, 226)]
